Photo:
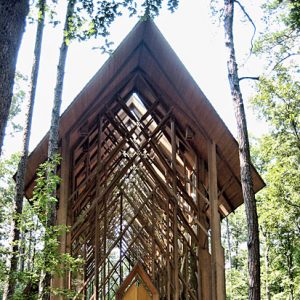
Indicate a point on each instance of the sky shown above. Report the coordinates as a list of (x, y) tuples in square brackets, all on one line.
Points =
[(195, 35)]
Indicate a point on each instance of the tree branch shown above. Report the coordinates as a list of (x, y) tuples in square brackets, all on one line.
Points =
[(249, 77), (292, 204), (295, 129), (283, 59), (250, 20)]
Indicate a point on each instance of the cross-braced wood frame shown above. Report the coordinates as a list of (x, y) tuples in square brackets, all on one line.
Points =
[(135, 181)]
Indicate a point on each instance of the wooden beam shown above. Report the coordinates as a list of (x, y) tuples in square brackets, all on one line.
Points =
[(217, 266), (175, 222), (168, 253), (121, 240), (62, 213), (97, 229), (199, 217), (153, 241)]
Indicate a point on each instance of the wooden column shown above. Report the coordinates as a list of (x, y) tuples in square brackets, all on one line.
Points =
[(121, 239), (97, 225), (62, 213), (153, 240), (217, 254), (185, 270), (104, 242), (168, 253), (175, 223), (199, 246), (204, 258)]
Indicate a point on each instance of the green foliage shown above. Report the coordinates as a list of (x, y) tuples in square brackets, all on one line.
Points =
[(50, 260), (278, 156), (47, 182), (280, 41), (92, 18), (7, 188), (235, 245), (277, 101), (279, 215), (34, 257), (293, 18), (14, 125)]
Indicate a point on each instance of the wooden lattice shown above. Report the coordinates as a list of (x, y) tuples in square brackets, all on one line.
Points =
[(136, 192)]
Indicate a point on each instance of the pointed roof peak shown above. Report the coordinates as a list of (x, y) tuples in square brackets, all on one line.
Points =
[(146, 64)]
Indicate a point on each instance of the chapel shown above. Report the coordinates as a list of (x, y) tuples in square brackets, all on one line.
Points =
[(148, 170)]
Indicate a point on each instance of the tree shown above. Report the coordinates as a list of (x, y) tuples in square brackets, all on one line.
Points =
[(280, 43), (278, 102), (44, 292), (32, 232), (244, 155), (7, 169), (293, 18), (12, 23), (13, 126), (20, 177)]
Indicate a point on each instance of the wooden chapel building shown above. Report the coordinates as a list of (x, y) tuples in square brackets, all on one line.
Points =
[(148, 171)]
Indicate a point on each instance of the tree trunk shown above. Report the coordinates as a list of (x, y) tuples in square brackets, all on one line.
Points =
[(12, 23), (45, 282), (244, 155), (53, 134), (20, 178)]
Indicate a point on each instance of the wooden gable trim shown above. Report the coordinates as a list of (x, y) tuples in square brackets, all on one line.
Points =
[(137, 270)]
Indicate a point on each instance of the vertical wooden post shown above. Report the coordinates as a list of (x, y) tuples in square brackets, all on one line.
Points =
[(97, 229), (104, 245), (121, 239), (62, 213), (186, 274), (199, 207), (168, 253), (104, 238), (216, 248), (204, 258), (175, 223), (153, 240)]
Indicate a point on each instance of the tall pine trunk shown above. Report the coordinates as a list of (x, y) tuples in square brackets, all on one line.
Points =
[(53, 134), (12, 23), (45, 282), (20, 178), (244, 155)]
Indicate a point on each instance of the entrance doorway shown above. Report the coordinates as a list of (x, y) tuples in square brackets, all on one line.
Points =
[(137, 286)]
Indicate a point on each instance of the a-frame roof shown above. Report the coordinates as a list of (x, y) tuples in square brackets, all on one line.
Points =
[(137, 271), (144, 62)]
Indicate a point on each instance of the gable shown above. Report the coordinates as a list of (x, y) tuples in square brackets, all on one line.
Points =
[(145, 64)]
